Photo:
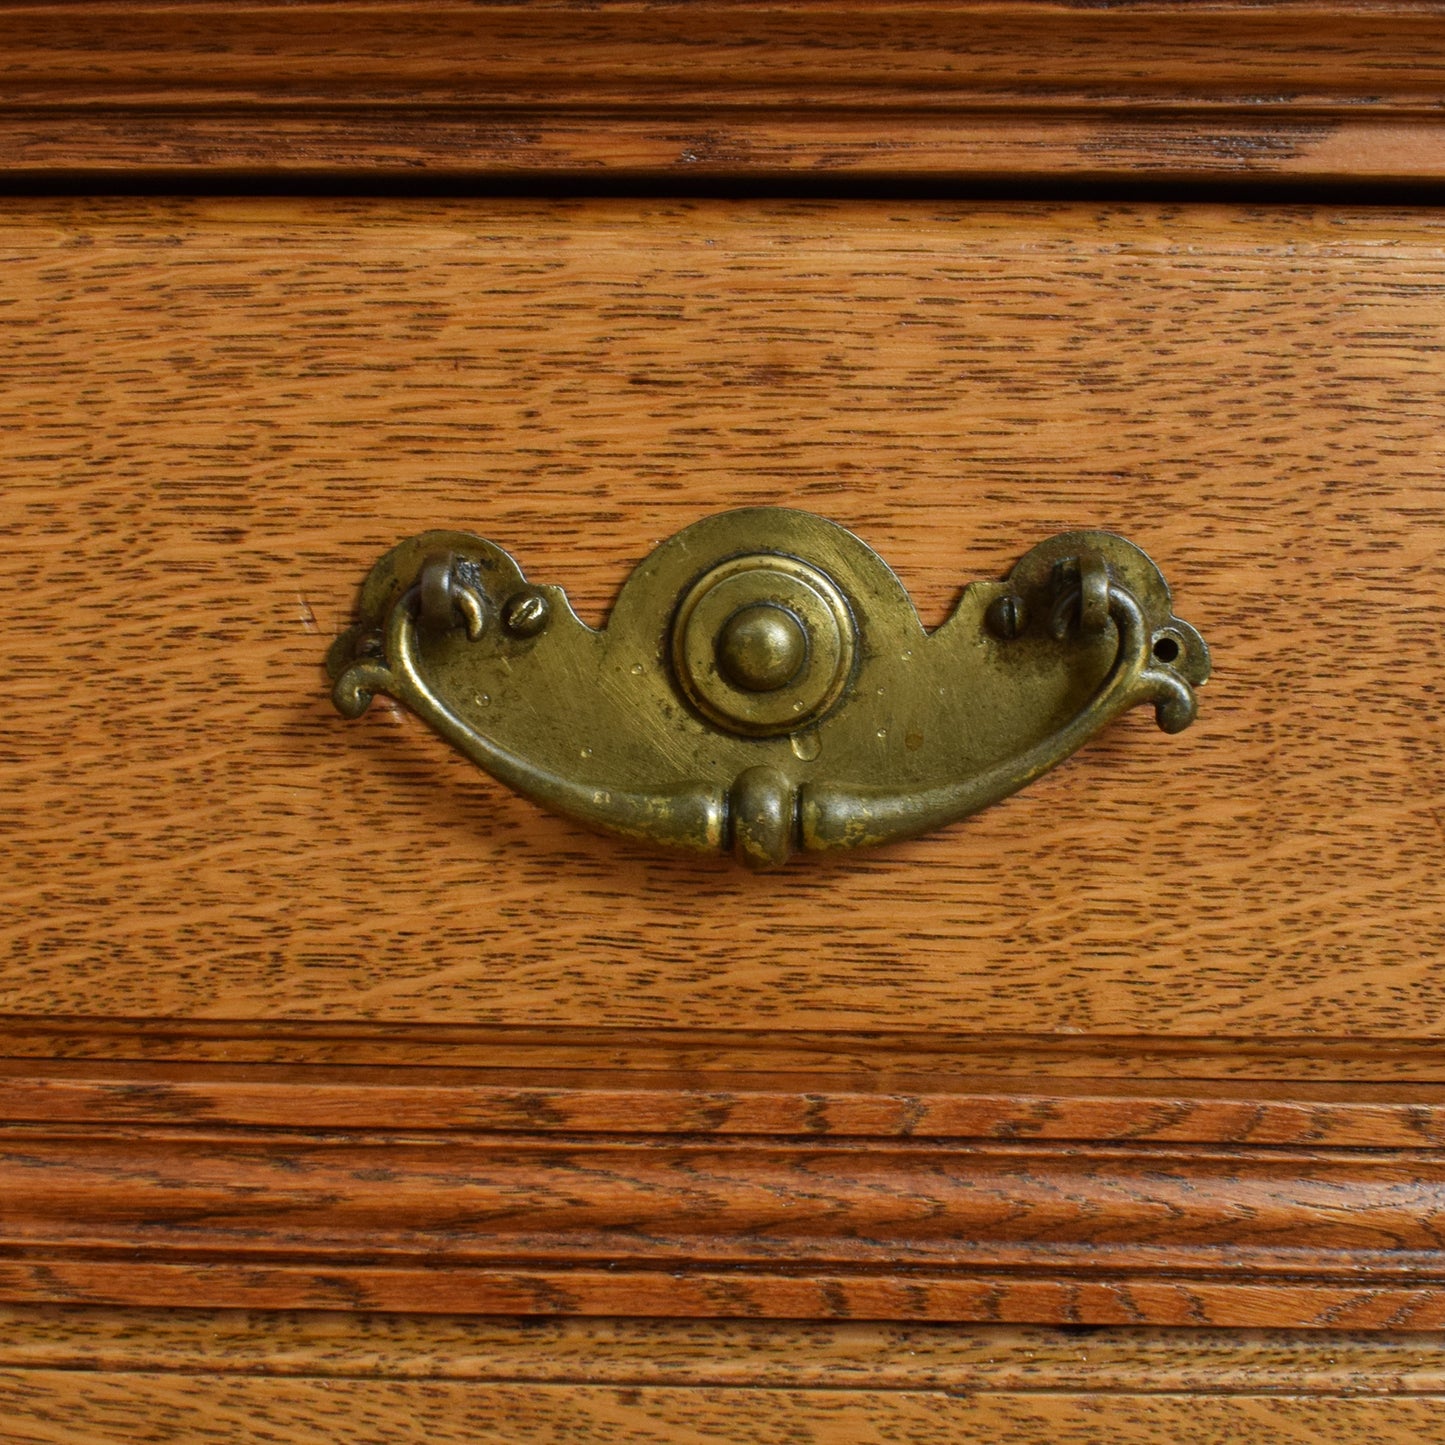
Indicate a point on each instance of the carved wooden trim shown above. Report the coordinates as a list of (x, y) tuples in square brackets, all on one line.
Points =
[(953, 1195), (1025, 88)]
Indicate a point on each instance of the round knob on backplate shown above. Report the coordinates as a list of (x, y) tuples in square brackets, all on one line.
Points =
[(763, 644), (761, 648)]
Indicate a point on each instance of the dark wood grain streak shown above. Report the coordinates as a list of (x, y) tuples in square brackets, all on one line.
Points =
[(1006, 89)]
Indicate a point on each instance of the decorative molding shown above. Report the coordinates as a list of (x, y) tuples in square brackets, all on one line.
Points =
[(1406, 1065), (615, 1190), (750, 1104), (1025, 88)]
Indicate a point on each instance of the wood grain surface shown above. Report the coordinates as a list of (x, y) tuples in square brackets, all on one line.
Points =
[(218, 414), (820, 89)]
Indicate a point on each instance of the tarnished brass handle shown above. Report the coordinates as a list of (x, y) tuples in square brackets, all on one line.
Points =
[(764, 683)]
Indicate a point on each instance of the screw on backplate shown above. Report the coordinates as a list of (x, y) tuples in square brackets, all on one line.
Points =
[(526, 614), (1005, 616)]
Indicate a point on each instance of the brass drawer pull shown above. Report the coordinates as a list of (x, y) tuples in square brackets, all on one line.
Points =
[(764, 682)]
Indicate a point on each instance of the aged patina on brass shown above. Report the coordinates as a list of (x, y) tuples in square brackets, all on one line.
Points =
[(764, 683)]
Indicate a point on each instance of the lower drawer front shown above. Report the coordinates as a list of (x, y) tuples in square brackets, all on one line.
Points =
[(301, 1011)]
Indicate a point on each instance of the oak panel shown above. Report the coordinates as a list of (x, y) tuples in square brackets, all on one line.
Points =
[(219, 413)]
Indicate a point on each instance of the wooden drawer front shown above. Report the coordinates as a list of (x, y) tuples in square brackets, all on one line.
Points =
[(218, 414)]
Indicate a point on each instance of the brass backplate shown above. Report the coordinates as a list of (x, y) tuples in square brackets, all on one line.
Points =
[(764, 683)]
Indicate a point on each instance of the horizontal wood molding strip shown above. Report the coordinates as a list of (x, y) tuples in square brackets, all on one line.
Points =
[(1299, 1302), (463, 1191), (863, 87), (717, 52), (909, 1061), (685, 1203), (718, 1102), (813, 1354), (1076, 147)]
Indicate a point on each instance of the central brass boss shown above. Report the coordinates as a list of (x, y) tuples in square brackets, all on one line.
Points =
[(763, 644), (761, 648)]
